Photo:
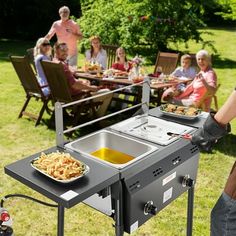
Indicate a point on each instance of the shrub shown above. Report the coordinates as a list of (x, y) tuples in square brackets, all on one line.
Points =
[(141, 26)]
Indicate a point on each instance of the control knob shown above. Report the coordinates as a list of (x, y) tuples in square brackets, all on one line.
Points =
[(187, 181), (149, 208)]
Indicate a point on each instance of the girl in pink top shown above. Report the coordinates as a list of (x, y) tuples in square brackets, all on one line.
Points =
[(203, 84), (67, 31)]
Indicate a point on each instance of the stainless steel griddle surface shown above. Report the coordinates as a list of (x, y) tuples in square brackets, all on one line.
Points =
[(153, 129)]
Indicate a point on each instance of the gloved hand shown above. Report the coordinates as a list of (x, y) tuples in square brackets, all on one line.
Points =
[(211, 131)]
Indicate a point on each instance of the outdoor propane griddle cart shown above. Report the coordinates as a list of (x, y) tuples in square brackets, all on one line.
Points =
[(132, 193)]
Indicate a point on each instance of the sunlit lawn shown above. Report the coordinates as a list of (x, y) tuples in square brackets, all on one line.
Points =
[(19, 138)]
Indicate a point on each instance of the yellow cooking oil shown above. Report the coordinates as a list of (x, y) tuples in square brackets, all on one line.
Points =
[(112, 156)]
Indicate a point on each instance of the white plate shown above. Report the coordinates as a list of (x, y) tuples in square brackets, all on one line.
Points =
[(178, 115), (86, 171)]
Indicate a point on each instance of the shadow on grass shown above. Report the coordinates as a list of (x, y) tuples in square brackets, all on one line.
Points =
[(227, 145), (221, 63)]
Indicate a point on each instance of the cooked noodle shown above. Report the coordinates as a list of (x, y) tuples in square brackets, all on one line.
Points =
[(60, 166)]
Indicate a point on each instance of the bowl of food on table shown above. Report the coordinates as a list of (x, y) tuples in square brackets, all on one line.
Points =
[(92, 68)]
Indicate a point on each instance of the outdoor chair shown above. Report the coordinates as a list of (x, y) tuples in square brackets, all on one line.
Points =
[(215, 100), (201, 103), (194, 61), (58, 85), (30, 56), (31, 86), (167, 61), (111, 53)]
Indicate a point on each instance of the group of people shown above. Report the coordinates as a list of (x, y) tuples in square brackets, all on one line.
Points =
[(204, 83), (197, 93), (65, 52)]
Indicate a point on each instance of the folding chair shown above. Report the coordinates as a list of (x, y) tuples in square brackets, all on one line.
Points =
[(30, 56), (111, 53), (58, 85), (167, 61), (31, 86)]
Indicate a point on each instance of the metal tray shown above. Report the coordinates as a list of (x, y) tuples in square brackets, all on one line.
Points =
[(178, 115), (86, 171)]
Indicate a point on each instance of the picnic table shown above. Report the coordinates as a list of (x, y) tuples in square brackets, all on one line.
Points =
[(158, 87)]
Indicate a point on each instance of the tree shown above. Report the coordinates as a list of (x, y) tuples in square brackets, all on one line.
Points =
[(229, 9), (142, 26)]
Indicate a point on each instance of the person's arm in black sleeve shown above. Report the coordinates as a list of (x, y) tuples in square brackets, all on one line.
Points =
[(216, 125)]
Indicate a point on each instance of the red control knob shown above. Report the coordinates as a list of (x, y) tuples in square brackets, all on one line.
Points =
[(5, 216)]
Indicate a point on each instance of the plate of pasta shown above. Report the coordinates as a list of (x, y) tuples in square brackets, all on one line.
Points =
[(60, 166)]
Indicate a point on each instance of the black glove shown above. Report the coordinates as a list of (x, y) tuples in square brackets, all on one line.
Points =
[(211, 131)]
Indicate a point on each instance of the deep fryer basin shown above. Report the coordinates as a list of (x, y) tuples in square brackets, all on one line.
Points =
[(106, 139)]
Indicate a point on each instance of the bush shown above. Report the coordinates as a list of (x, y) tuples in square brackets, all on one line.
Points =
[(141, 26)]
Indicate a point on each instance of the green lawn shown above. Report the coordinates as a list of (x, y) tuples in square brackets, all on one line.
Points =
[(19, 138)]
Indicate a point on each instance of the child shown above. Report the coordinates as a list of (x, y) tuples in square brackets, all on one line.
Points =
[(183, 72), (121, 62)]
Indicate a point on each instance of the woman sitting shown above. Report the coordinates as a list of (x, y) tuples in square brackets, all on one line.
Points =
[(96, 53), (42, 52), (201, 89), (121, 62)]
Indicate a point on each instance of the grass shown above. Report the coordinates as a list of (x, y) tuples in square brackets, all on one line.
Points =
[(19, 138)]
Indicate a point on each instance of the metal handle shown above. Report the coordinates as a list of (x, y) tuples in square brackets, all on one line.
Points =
[(59, 108)]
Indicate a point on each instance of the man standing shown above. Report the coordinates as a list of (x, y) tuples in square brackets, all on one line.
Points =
[(67, 31)]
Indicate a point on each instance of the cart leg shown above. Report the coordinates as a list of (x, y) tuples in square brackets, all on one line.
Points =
[(119, 227), (190, 211), (60, 221)]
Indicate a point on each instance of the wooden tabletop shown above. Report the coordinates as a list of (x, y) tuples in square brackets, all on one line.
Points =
[(125, 81)]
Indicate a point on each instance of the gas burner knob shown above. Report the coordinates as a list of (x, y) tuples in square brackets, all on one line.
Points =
[(149, 208), (187, 181)]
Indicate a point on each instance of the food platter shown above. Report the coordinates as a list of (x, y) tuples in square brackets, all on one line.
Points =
[(53, 165), (163, 81), (188, 113), (93, 71)]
